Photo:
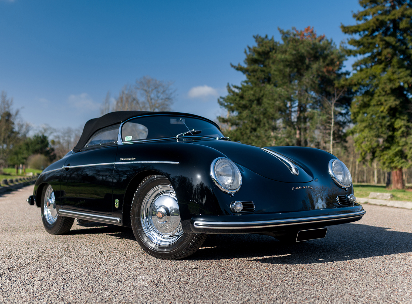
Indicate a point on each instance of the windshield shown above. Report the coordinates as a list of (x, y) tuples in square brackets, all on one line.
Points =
[(165, 127)]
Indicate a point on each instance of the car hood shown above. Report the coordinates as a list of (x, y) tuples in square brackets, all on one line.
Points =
[(260, 162)]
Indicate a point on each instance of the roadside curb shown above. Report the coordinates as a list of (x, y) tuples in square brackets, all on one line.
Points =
[(397, 204), (4, 189)]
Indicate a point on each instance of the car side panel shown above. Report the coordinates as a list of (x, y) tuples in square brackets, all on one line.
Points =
[(87, 180)]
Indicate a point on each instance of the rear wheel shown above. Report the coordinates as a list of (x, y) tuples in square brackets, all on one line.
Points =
[(155, 219), (53, 223)]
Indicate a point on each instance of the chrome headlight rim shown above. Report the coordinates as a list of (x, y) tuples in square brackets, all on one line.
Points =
[(332, 174), (215, 179)]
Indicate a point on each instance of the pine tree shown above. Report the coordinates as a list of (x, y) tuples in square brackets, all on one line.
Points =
[(282, 100), (253, 107), (382, 79)]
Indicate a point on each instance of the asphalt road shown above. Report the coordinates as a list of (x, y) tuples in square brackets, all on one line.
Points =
[(369, 261)]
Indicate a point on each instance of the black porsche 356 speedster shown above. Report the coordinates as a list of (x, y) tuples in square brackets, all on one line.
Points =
[(174, 178)]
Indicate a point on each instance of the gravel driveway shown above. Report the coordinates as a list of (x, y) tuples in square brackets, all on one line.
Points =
[(368, 261)]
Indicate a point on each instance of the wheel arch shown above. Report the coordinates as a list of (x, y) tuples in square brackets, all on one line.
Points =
[(131, 189), (39, 193)]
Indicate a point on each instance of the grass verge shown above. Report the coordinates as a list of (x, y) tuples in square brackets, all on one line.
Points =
[(363, 190)]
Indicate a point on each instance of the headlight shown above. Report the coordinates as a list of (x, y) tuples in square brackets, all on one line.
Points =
[(226, 175), (340, 173)]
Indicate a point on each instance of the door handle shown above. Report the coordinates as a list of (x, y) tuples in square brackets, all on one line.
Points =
[(66, 167)]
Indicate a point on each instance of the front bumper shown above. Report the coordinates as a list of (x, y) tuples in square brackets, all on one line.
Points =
[(255, 223)]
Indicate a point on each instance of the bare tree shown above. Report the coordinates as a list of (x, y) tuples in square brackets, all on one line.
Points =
[(63, 140), (155, 95), (332, 101), (106, 105), (147, 94)]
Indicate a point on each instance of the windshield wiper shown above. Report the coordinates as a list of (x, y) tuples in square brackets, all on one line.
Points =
[(190, 132)]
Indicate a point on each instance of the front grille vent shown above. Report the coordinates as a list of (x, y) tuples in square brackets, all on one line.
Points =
[(343, 200), (248, 206)]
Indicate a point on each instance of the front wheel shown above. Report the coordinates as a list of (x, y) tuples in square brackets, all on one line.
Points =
[(52, 222), (155, 219)]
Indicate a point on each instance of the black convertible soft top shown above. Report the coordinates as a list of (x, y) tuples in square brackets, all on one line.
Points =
[(112, 118)]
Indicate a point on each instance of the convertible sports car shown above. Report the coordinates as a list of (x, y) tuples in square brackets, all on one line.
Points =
[(173, 178)]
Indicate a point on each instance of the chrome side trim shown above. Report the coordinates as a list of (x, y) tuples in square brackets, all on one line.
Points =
[(125, 163), (88, 165), (89, 216), (275, 223), (148, 162), (293, 169), (44, 172)]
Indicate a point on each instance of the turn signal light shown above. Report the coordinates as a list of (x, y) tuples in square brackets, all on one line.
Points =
[(236, 206)]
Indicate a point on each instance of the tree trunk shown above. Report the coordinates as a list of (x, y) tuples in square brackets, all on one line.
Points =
[(298, 129), (331, 128), (397, 179), (356, 172), (388, 179), (375, 175), (405, 178)]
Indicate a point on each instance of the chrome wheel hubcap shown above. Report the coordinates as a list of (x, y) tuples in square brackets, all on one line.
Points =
[(160, 216), (49, 208)]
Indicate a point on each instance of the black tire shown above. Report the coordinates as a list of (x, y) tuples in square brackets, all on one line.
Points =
[(53, 223), (177, 244)]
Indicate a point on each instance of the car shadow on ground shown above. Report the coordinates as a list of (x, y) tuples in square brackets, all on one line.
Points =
[(342, 243), (98, 228)]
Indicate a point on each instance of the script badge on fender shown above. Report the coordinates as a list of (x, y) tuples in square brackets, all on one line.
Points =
[(302, 187)]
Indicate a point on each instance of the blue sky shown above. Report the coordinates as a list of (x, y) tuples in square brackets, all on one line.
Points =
[(58, 59)]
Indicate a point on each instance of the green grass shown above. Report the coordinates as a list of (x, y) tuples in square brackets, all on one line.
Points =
[(363, 190), (10, 173)]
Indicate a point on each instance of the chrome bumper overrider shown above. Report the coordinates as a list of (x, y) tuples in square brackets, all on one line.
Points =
[(278, 222)]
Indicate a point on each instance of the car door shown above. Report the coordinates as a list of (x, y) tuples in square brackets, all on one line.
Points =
[(88, 175)]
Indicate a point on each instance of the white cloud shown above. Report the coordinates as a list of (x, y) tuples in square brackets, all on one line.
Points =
[(83, 102), (43, 100), (202, 92)]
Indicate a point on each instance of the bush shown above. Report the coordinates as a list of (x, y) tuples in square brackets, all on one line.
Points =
[(38, 161)]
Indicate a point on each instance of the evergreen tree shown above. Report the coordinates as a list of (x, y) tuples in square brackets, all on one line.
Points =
[(38, 144), (282, 100), (382, 81), (253, 108)]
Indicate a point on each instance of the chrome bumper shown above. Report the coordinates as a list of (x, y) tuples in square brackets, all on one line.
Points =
[(278, 223)]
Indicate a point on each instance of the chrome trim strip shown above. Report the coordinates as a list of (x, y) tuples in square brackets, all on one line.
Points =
[(88, 165), (293, 169), (148, 162), (275, 223), (125, 163), (44, 172), (89, 216)]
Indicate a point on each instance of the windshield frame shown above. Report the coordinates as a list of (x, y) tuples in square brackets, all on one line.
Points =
[(119, 135)]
